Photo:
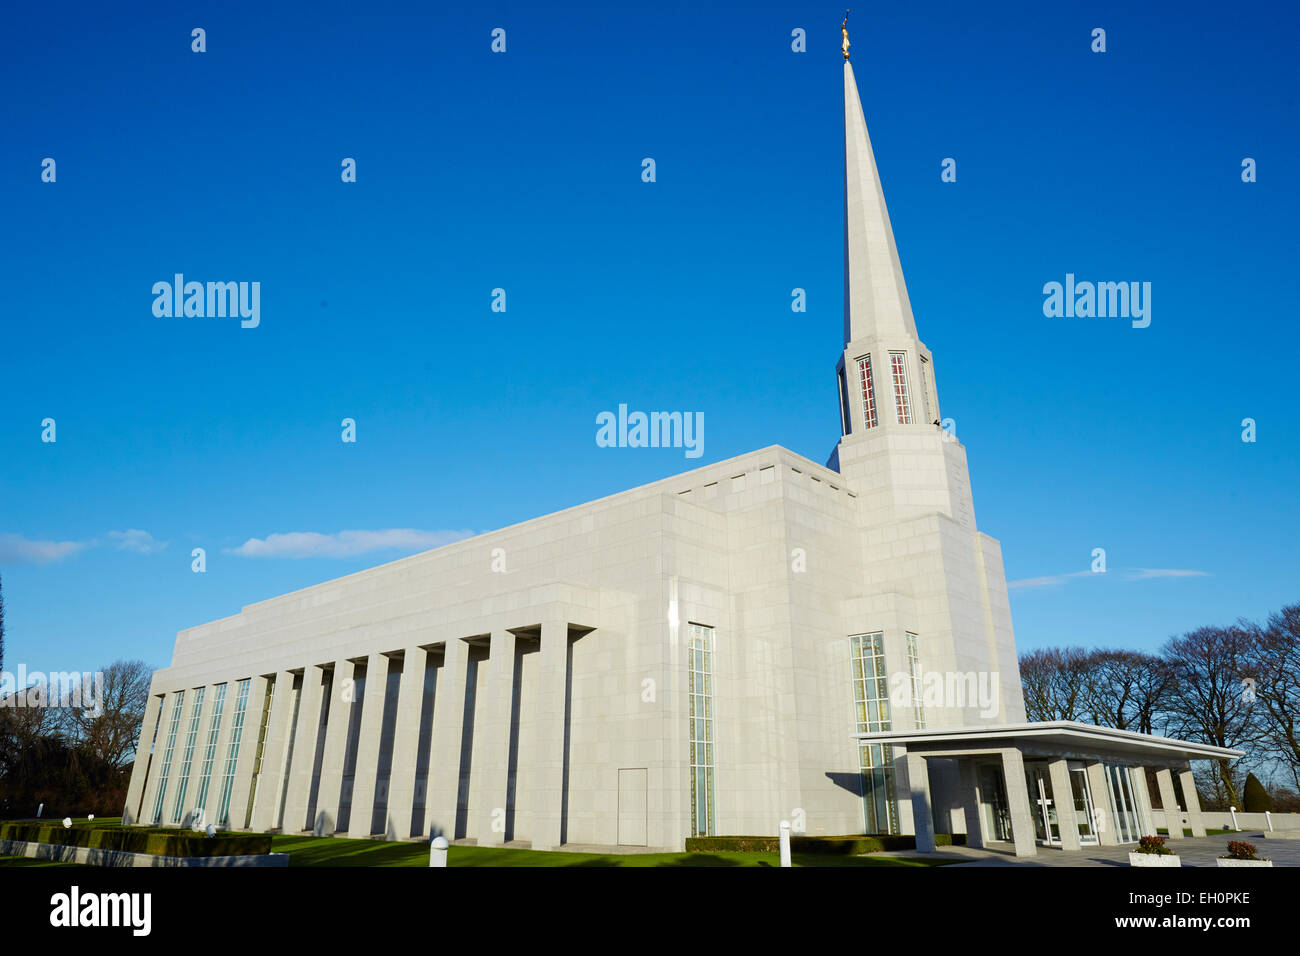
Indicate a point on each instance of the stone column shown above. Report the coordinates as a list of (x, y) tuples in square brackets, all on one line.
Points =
[(1105, 824), (1193, 802), (913, 780), (406, 741), (336, 742), (492, 741), (970, 802), (367, 766), (249, 734), (1021, 810), (270, 783), (304, 750), (1063, 799), (1142, 794), (134, 809), (1173, 818), (444, 758), (547, 756)]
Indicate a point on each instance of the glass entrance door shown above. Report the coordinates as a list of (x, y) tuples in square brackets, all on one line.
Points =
[(1047, 827), (993, 803), (1084, 811)]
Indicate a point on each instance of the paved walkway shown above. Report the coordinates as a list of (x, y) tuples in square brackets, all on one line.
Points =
[(1198, 851)]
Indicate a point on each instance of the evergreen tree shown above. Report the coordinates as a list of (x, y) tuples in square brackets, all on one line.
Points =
[(1255, 797)]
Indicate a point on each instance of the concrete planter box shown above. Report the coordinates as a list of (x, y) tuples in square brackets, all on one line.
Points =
[(1154, 859), (1224, 861)]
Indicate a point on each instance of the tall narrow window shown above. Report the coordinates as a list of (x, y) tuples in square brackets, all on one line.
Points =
[(183, 780), (868, 392), (846, 420), (871, 698), (914, 671), (232, 751), (897, 362), (177, 706), (210, 752), (700, 670)]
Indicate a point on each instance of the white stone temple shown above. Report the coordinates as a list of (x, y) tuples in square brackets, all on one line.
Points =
[(760, 639)]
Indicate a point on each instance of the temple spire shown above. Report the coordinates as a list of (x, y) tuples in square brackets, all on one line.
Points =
[(875, 295)]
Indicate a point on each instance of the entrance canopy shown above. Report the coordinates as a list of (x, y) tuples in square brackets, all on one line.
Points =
[(1057, 783), (1054, 738)]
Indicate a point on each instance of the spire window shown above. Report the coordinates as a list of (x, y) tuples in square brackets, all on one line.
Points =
[(902, 402), (868, 393)]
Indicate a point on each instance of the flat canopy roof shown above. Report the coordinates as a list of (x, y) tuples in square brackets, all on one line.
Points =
[(1064, 735)]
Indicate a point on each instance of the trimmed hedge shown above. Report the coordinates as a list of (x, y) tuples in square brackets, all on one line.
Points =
[(157, 841), (835, 845)]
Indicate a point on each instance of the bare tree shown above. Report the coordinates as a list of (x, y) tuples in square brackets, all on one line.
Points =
[(112, 729), (1126, 689), (1055, 683), (1273, 664), (1208, 702)]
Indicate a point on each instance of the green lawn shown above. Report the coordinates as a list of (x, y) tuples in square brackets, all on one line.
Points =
[(339, 851)]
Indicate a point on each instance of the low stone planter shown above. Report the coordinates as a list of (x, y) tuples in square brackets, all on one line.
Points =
[(1154, 859), (1227, 861), (122, 858)]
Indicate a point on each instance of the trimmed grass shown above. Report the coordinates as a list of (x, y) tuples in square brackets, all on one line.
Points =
[(1186, 832), (340, 851)]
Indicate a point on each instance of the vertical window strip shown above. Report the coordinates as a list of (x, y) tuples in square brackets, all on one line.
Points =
[(177, 707), (183, 781), (700, 693), (210, 752), (901, 401), (871, 700), (232, 751), (914, 671), (868, 392)]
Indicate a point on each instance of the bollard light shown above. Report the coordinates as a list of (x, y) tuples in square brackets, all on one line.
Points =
[(438, 851), (1233, 811), (40, 810), (67, 823), (785, 843), (1268, 818)]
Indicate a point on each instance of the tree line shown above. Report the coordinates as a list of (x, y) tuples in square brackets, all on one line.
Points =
[(1235, 686), (74, 760)]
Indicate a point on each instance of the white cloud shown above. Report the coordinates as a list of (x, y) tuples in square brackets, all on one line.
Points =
[(344, 544), (15, 549), (1128, 574), (1145, 574), (133, 539), (1050, 580)]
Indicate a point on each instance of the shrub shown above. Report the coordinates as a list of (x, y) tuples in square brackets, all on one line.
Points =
[(1255, 799), (158, 841), (1241, 850), (850, 845), (1154, 845)]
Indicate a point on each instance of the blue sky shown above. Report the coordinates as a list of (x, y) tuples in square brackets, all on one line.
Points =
[(522, 171)]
